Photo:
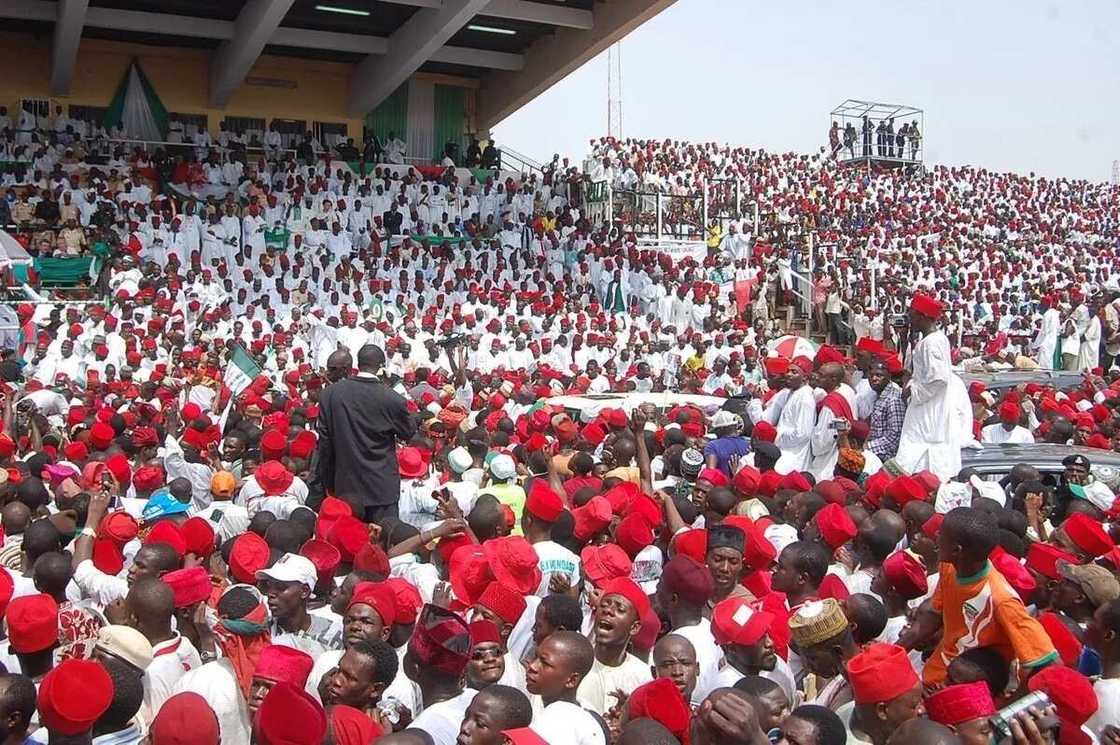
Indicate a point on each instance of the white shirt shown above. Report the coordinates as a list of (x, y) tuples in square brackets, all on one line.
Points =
[(217, 683), (554, 559), (595, 690), (562, 723), (995, 433), (323, 664), (1108, 701), (173, 659), (97, 586), (442, 720)]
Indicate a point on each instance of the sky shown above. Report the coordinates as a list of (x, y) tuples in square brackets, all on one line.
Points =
[(1012, 86)]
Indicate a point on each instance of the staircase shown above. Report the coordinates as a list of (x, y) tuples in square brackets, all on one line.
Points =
[(512, 160)]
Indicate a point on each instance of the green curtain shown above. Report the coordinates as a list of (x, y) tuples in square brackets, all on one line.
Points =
[(450, 118), (390, 116)]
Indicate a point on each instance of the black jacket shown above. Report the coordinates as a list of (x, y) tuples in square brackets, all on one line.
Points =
[(360, 421)]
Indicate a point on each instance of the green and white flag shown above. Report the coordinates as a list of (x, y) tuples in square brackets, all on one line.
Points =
[(241, 370)]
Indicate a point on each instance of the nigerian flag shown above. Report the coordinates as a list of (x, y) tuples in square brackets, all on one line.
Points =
[(136, 107), (241, 370)]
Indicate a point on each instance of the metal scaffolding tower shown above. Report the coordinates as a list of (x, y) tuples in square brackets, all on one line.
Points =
[(614, 90)]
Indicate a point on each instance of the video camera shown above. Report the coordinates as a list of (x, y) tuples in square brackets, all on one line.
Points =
[(451, 341)]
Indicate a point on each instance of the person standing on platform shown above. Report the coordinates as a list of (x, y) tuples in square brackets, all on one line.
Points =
[(360, 421)]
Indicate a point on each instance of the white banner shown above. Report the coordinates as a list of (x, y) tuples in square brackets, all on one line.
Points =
[(679, 250)]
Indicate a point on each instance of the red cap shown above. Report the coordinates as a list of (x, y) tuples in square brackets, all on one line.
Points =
[(957, 704), (906, 489), (524, 736), (603, 563), (290, 716), (469, 573), (148, 478), (591, 518), (932, 526), (764, 431), (661, 701), (408, 601), (1071, 692), (1014, 572), (371, 558), (795, 481), (377, 595), (1068, 645), (351, 726), (905, 574), (629, 589), (101, 435), (1087, 534), (835, 525), (514, 562), (880, 672), (273, 477), (273, 444), (330, 510), (32, 623), (323, 555), (734, 621), (633, 534), (507, 603), (348, 535), (168, 533), (926, 305), (1044, 557), (191, 585), (280, 663), (198, 535), (185, 719), (543, 502), (248, 556), (73, 696), (746, 480)]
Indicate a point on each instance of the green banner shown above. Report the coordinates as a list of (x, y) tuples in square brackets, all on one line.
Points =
[(437, 240), (67, 272)]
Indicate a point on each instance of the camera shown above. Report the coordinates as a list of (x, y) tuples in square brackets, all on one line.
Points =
[(451, 341), (898, 320), (1001, 720)]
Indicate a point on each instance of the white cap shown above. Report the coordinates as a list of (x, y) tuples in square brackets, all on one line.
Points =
[(724, 418), (292, 568), (988, 489), (460, 460), (646, 569), (502, 467)]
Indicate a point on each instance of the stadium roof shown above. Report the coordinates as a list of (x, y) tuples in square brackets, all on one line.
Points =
[(515, 48)]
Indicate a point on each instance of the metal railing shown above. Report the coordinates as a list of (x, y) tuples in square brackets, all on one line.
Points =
[(508, 156)]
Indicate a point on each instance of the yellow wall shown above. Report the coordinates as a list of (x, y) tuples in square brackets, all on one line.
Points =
[(180, 77)]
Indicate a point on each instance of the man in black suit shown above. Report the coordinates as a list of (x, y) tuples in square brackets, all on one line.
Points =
[(360, 421), (393, 220)]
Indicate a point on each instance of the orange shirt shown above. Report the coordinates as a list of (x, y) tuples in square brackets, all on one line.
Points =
[(984, 611)]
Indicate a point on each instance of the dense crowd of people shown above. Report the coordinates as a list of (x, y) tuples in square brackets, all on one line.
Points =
[(306, 476)]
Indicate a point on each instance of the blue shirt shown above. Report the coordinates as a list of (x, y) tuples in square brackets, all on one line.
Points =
[(725, 447)]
